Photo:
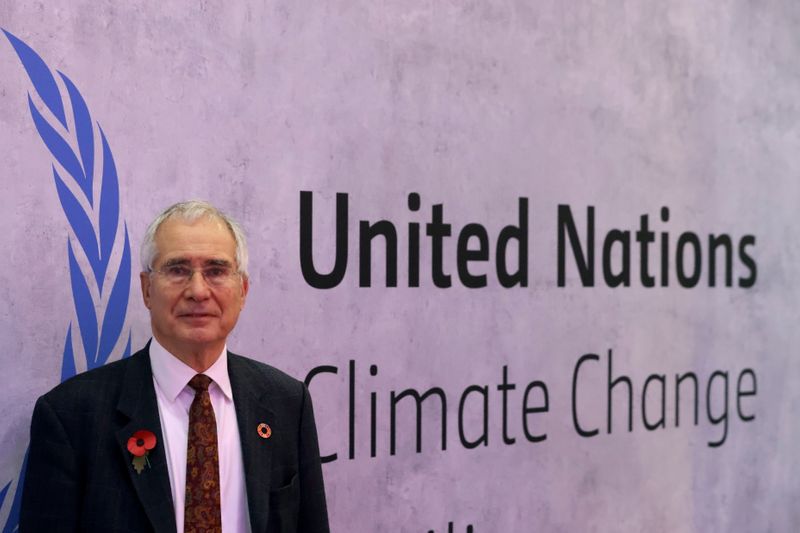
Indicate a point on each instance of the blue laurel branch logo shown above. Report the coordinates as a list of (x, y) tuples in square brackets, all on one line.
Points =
[(95, 229)]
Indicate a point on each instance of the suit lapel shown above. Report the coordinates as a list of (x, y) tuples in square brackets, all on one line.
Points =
[(138, 403), (251, 410)]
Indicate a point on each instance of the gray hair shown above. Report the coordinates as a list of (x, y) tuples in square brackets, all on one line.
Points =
[(191, 211)]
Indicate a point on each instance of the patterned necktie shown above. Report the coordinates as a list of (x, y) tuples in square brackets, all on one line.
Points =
[(202, 508)]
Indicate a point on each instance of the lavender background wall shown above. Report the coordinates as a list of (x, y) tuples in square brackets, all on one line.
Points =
[(626, 106)]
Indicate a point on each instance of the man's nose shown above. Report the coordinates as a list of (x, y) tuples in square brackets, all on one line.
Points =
[(197, 288)]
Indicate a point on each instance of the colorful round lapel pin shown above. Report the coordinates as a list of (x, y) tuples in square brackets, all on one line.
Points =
[(264, 431)]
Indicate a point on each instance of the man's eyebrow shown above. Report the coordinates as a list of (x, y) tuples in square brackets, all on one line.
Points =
[(176, 261), (218, 262), (181, 261)]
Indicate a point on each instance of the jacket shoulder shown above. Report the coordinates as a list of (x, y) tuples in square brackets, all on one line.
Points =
[(95, 386), (275, 382)]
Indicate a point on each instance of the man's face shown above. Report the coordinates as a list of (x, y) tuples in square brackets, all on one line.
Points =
[(194, 317)]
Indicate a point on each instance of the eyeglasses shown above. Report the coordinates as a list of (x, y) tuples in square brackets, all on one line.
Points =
[(181, 275)]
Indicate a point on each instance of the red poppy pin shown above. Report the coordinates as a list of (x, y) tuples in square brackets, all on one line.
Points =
[(140, 445)]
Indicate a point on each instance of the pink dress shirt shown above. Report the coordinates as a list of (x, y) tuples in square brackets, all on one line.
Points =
[(171, 377)]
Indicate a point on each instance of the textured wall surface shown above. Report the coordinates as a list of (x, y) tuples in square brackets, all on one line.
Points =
[(624, 106)]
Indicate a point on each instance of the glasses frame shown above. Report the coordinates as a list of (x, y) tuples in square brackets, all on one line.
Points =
[(182, 284)]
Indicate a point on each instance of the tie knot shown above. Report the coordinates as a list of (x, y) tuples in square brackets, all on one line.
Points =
[(200, 382)]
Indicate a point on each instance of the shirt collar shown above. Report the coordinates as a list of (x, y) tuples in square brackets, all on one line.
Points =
[(172, 375)]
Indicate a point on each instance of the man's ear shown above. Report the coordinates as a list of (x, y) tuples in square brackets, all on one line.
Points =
[(245, 288), (144, 278)]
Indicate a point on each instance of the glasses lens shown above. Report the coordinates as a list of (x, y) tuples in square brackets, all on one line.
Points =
[(217, 275), (177, 274)]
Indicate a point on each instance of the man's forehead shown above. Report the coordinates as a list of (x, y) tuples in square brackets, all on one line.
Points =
[(200, 229), (203, 220), (202, 239)]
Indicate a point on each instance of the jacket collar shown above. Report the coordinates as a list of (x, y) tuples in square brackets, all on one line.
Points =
[(137, 402), (251, 402)]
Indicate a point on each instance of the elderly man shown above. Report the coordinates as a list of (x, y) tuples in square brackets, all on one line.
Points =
[(183, 435)]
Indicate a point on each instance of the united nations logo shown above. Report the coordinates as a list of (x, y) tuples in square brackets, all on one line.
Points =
[(86, 182)]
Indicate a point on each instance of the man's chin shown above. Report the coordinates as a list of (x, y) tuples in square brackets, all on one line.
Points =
[(198, 332), (200, 335)]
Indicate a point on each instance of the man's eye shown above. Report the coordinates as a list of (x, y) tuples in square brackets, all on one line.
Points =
[(215, 272), (177, 271)]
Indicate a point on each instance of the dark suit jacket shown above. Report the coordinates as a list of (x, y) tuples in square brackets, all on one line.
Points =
[(79, 472)]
